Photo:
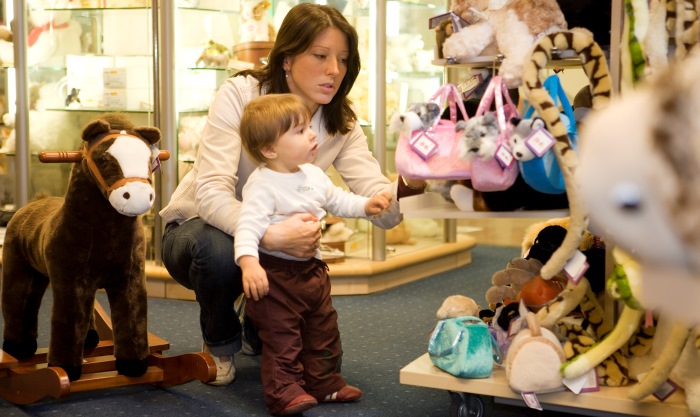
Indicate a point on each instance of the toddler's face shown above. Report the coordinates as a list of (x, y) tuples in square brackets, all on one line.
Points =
[(297, 146)]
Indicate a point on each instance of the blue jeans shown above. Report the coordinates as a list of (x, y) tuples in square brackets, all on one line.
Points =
[(200, 257)]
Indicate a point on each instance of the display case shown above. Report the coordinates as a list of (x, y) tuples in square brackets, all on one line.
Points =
[(79, 62), (155, 72)]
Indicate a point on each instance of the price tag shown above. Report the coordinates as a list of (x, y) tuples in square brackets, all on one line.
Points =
[(423, 145), (576, 267), (470, 85), (504, 157), (531, 400), (540, 141), (155, 164), (665, 390)]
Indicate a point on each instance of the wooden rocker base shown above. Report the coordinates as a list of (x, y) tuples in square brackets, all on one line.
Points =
[(30, 380)]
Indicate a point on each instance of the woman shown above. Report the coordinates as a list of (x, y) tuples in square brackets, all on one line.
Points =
[(315, 56)]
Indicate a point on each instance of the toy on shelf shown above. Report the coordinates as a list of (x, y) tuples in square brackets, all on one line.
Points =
[(214, 55), (52, 34), (88, 240), (255, 25), (514, 25)]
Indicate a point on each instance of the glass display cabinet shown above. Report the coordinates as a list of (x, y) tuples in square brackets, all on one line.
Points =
[(164, 70)]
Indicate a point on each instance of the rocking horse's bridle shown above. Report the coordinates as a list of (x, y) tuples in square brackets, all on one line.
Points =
[(87, 154)]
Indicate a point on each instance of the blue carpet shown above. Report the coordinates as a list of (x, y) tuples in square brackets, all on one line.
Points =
[(381, 333)]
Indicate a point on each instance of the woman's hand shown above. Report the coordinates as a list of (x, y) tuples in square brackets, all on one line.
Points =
[(298, 236)]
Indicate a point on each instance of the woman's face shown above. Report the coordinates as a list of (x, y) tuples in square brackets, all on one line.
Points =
[(316, 74)]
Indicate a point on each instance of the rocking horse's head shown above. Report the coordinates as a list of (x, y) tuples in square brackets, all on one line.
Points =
[(119, 157)]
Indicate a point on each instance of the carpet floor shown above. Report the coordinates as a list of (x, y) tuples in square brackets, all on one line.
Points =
[(381, 333)]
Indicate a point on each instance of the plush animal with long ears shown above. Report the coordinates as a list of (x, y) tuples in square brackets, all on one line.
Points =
[(88, 240)]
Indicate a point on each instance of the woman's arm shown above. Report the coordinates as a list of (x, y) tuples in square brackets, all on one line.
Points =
[(218, 159), (362, 173), (297, 236)]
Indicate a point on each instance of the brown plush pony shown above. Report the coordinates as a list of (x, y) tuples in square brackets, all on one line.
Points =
[(90, 239)]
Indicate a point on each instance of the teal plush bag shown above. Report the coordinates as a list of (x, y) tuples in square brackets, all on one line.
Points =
[(543, 173), (464, 347)]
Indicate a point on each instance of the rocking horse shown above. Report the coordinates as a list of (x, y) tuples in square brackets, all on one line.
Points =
[(90, 239)]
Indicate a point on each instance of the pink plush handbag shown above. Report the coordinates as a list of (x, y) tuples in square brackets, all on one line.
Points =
[(433, 154), (499, 172)]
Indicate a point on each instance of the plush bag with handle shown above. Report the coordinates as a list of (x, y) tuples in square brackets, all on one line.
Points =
[(464, 347), (433, 153), (499, 170), (542, 172)]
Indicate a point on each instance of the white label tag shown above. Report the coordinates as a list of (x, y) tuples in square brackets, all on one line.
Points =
[(587, 382), (576, 267), (504, 157), (540, 141), (424, 146), (468, 87), (531, 400)]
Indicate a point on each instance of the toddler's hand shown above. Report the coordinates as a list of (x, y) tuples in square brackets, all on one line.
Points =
[(254, 277), (376, 204)]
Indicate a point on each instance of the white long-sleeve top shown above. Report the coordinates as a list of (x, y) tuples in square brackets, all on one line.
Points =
[(213, 188), (270, 197)]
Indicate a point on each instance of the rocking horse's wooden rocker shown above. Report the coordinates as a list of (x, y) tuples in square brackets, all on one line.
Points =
[(91, 239)]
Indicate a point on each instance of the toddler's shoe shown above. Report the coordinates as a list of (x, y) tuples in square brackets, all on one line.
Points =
[(346, 394), (225, 368), (299, 405)]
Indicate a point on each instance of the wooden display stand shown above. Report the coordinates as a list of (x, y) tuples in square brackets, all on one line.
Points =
[(421, 372), (30, 380)]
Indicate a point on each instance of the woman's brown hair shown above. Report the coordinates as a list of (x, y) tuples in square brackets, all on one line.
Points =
[(298, 31)]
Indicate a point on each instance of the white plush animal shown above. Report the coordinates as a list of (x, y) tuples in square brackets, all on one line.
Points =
[(255, 26), (514, 25), (639, 174), (52, 35)]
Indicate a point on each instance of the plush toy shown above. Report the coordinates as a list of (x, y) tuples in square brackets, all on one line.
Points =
[(91, 239), (337, 232), (400, 234), (417, 116), (533, 360), (507, 283), (458, 306), (596, 68), (255, 26), (214, 55), (52, 34), (522, 129), (478, 137), (640, 166), (514, 25), (406, 53)]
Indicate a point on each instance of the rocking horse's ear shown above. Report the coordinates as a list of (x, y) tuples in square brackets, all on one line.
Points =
[(151, 134), (93, 128)]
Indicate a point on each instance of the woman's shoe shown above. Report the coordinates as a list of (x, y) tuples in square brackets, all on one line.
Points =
[(225, 369)]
